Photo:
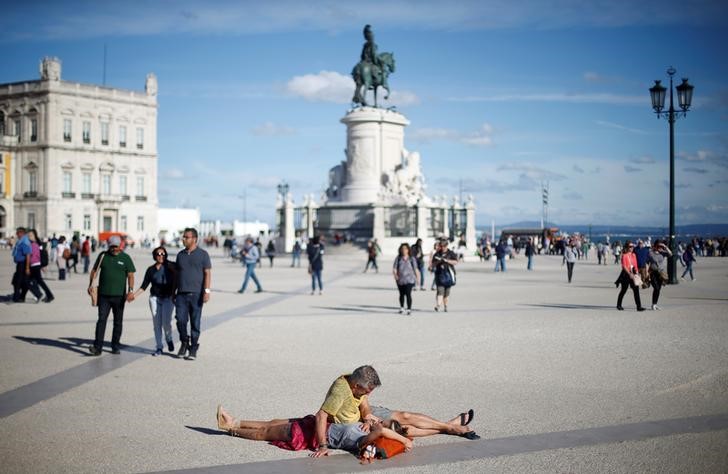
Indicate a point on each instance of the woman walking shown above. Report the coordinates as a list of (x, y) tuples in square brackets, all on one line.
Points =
[(162, 275), (569, 259), (315, 252), (443, 264), (688, 257), (659, 253), (36, 265), (406, 276), (270, 251), (628, 276)]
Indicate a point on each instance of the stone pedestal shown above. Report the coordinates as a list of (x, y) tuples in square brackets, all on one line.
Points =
[(374, 144)]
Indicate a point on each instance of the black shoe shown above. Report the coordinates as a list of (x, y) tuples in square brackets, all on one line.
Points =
[(48, 299), (193, 352), (94, 351), (620, 308), (259, 290), (640, 309), (183, 348), (170, 346), (116, 351)]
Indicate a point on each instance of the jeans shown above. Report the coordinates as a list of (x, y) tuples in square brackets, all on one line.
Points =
[(22, 283), (316, 275), (373, 262), (530, 262), (421, 268), (86, 263), (109, 303), (500, 262), (296, 259), (688, 269), (188, 307), (161, 308), (37, 275), (250, 273)]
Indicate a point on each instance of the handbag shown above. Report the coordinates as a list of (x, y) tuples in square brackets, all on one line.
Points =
[(381, 448), (95, 289), (636, 279), (445, 276)]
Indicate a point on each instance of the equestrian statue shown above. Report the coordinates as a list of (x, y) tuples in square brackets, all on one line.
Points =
[(372, 71)]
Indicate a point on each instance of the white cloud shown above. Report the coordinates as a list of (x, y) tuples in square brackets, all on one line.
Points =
[(533, 172), (695, 170), (620, 127), (270, 129), (706, 156), (631, 169), (479, 137), (644, 160), (172, 173), (331, 86), (578, 169), (573, 196), (326, 86)]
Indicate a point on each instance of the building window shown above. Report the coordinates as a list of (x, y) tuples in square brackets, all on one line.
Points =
[(106, 184), (31, 220), (2, 124), (2, 181), (86, 183), (69, 221), (18, 130), (140, 223), (87, 222), (122, 136), (123, 223), (104, 133), (67, 181), (140, 186), (33, 130), (67, 130), (122, 185), (87, 132), (140, 138), (33, 181)]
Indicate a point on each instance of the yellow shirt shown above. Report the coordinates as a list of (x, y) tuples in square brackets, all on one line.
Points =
[(340, 402)]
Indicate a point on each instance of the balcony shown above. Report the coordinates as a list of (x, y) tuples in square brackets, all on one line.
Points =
[(30, 194), (125, 197), (68, 194), (88, 196), (140, 198)]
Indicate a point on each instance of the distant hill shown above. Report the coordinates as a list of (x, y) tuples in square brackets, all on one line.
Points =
[(704, 230)]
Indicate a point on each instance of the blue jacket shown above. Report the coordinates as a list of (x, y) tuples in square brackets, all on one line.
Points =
[(251, 254), (21, 249)]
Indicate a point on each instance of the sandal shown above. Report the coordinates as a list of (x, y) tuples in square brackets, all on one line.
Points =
[(471, 435), (221, 425), (466, 418)]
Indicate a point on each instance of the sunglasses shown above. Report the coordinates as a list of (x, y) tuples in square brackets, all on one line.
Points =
[(160, 254)]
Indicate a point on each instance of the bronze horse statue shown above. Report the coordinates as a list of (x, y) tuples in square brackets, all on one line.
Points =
[(371, 76)]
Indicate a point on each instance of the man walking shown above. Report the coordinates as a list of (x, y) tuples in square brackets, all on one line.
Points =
[(86, 253), (21, 257), (193, 290), (251, 255), (501, 250), (116, 282)]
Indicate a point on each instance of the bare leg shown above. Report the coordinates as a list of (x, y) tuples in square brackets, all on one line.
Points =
[(273, 430), (428, 424)]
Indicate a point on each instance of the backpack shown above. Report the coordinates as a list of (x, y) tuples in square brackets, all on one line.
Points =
[(43, 257), (66, 253)]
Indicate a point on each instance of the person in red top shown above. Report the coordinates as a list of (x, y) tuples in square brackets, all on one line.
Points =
[(627, 277), (86, 253)]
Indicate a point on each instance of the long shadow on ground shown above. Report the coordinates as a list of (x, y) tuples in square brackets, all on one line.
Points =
[(74, 344)]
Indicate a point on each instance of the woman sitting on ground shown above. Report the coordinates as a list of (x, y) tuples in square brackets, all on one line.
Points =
[(297, 434)]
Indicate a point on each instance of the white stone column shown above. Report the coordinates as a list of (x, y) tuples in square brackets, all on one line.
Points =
[(470, 237), (289, 230), (310, 209), (374, 143), (378, 231), (422, 213)]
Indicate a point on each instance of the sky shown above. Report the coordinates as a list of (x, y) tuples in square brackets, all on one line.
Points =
[(502, 96)]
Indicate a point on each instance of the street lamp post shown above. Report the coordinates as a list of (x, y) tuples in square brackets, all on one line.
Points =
[(684, 98)]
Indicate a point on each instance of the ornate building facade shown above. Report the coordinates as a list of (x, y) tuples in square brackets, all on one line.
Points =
[(78, 158)]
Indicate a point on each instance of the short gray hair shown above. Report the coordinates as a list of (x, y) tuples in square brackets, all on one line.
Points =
[(366, 376)]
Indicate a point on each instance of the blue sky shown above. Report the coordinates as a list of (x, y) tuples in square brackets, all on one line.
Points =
[(501, 96)]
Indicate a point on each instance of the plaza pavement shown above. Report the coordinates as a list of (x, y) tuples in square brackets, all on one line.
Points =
[(560, 381)]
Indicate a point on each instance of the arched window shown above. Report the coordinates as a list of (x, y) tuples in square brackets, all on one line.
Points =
[(2, 123)]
